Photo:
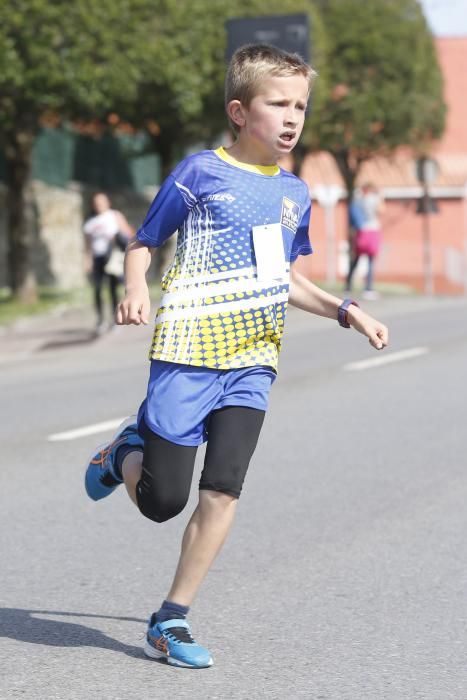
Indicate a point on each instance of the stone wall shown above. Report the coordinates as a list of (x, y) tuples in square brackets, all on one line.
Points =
[(56, 225), (58, 250)]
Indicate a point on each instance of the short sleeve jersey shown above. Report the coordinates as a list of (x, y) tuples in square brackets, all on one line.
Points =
[(214, 310)]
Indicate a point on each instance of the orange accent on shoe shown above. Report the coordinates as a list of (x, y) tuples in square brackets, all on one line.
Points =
[(160, 643), (103, 454)]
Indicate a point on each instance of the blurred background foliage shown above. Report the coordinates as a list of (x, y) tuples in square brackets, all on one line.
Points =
[(385, 82), (156, 69)]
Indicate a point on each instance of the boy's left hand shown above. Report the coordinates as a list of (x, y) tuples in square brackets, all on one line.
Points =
[(376, 332)]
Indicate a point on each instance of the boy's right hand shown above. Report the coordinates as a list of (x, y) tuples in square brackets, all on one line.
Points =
[(134, 308)]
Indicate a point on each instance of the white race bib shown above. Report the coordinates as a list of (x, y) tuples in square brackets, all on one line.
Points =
[(269, 253)]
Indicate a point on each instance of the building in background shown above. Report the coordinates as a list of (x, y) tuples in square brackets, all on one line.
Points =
[(401, 258), (69, 163)]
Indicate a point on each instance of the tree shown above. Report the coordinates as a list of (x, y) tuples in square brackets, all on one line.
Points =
[(384, 79), (214, 104), (182, 73), (157, 65), (176, 74), (181, 90), (74, 59)]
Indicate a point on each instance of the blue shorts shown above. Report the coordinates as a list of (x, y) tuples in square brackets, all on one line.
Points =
[(181, 398)]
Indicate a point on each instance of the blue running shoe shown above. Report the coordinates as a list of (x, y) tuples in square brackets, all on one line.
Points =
[(100, 480), (172, 640)]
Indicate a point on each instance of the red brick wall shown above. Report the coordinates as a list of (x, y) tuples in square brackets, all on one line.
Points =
[(401, 257), (452, 56)]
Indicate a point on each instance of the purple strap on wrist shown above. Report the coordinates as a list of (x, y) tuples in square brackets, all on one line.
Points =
[(342, 312)]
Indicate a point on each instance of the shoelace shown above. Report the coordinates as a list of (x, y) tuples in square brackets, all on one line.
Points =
[(179, 635), (104, 453)]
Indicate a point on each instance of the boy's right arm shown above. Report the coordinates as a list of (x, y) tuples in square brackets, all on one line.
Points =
[(170, 207), (134, 309)]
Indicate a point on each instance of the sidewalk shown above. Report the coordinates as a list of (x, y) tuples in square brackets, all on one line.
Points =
[(62, 327)]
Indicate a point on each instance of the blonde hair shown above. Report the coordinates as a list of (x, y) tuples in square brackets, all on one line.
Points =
[(252, 63)]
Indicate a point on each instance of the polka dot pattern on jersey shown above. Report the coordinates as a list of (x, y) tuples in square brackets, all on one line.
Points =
[(214, 311)]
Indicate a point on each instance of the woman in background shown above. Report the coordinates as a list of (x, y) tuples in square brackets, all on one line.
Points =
[(365, 218), (105, 229)]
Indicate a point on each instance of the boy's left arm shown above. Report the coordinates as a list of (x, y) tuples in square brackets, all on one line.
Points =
[(307, 296)]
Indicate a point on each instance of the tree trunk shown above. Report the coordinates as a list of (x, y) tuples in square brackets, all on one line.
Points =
[(349, 175), (349, 172), (22, 279), (299, 154)]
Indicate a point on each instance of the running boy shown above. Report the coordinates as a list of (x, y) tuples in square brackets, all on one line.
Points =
[(242, 221)]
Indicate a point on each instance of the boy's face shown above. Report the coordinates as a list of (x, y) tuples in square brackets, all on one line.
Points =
[(271, 126)]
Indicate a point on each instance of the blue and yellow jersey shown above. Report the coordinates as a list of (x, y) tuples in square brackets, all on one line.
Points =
[(214, 310)]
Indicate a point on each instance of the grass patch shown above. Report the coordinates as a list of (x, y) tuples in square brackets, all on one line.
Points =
[(48, 300), (51, 299)]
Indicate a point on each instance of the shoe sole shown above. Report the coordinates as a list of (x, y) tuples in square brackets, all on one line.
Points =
[(124, 424), (156, 654)]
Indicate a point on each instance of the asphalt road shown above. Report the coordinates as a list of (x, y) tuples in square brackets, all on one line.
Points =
[(345, 575)]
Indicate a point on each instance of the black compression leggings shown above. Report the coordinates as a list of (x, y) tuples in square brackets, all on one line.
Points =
[(99, 263), (164, 487)]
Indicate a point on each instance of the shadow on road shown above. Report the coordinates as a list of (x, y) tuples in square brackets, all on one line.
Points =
[(70, 338), (23, 626)]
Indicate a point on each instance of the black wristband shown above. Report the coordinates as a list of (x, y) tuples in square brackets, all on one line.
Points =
[(342, 312)]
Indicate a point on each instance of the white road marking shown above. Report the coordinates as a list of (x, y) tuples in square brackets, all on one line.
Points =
[(386, 359), (351, 366), (86, 430)]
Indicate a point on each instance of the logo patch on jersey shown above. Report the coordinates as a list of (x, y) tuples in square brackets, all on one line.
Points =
[(290, 216), (221, 197)]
